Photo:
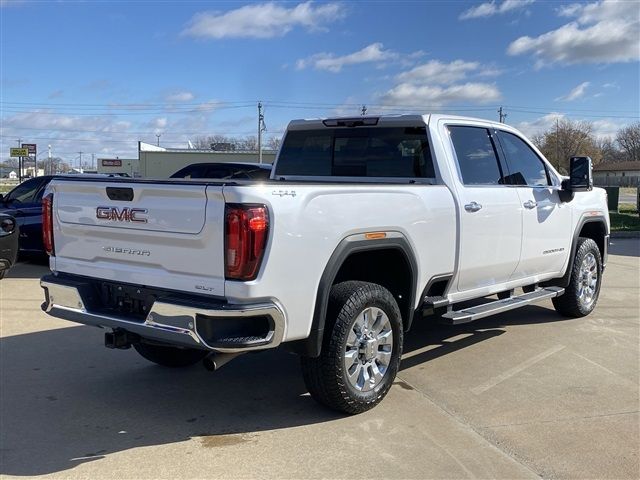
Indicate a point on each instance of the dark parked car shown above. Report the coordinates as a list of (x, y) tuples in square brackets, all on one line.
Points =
[(9, 231), (225, 171), (24, 203)]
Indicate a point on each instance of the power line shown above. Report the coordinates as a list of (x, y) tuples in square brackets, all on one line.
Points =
[(250, 103)]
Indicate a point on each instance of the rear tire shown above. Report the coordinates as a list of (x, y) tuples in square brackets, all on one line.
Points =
[(172, 357), (361, 348), (581, 295)]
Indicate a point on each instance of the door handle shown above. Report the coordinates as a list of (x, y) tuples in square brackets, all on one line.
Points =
[(472, 207), (530, 204)]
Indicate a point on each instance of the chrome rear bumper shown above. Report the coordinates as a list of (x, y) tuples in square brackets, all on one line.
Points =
[(167, 322)]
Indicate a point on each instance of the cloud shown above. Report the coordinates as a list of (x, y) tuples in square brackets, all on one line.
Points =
[(263, 20), (11, 3), (489, 9), (602, 32), (374, 53), (436, 71), (159, 123), (56, 94), (179, 97), (70, 134), (438, 83), (602, 128), (540, 124), (433, 95), (575, 93)]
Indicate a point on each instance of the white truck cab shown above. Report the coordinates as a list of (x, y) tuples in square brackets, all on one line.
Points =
[(364, 225)]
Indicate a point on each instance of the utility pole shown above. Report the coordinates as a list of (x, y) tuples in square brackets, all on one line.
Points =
[(158, 135), (80, 161), (503, 116), (261, 128), (19, 162), (49, 157), (364, 110), (93, 156), (557, 144)]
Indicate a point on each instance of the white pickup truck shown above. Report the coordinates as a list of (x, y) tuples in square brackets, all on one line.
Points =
[(365, 224)]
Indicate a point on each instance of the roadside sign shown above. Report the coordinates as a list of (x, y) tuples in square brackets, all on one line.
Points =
[(107, 162), (19, 152), (31, 147)]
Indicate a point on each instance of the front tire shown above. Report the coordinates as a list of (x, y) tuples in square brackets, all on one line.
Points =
[(581, 295), (172, 357), (361, 348)]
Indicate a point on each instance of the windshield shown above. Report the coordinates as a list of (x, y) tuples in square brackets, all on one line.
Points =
[(23, 193)]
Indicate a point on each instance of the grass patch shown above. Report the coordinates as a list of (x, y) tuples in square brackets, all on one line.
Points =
[(6, 188), (628, 208), (624, 222)]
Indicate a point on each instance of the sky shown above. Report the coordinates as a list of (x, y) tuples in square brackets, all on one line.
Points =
[(98, 76)]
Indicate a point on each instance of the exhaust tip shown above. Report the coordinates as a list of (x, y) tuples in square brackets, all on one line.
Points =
[(215, 361), (209, 363)]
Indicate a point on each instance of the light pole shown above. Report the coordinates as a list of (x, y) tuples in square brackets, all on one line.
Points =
[(158, 135)]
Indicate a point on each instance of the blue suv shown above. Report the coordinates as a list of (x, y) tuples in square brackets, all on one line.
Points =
[(24, 203)]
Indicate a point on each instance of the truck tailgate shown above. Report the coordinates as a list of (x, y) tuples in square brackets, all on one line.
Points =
[(163, 234)]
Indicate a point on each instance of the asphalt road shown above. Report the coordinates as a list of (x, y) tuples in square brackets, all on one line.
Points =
[(521, 395), (627, 198)]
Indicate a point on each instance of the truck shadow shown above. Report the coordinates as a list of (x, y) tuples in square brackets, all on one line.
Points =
[(67, 400), (29, 267), (438, 340)]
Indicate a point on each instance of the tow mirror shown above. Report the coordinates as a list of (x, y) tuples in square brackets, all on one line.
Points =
[(580, 178), (580, 174)]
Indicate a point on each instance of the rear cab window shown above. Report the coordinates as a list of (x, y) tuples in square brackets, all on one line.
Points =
[(373, 152)]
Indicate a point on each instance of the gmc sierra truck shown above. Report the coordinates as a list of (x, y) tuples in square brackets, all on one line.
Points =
[(364, 225)]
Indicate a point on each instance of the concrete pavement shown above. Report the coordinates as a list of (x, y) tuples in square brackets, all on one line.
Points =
[(521, 395)]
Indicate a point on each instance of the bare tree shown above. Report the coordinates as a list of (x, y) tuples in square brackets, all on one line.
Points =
[(567, 139), (210, 142), (609, 150), (249, 143), (224, 143), (629, 140), (274, 143), (53, 166)]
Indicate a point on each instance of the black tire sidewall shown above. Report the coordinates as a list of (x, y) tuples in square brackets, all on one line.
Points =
[(365, 296), (589, 246), (573, 305)]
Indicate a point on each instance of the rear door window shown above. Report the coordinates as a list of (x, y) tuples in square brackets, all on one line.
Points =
[(477, 156), (398, 152)]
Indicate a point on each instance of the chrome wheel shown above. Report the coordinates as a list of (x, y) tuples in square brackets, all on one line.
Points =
[(588, 280), (368, 349)]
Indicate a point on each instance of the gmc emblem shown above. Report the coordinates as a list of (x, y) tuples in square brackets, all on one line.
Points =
[(124, 214)]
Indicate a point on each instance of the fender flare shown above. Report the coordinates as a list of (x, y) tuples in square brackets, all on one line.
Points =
[(566, 278), (312, 345)]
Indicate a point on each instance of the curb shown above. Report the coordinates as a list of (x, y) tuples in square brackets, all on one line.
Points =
[(635, 234)]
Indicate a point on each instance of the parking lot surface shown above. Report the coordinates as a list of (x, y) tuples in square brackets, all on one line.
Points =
[(524, 394)]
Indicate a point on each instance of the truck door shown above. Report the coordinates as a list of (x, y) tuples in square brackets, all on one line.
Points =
[(546, 221), (490, 218)]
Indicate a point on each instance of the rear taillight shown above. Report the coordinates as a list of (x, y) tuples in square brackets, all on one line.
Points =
[(246, 233), (47, 224)]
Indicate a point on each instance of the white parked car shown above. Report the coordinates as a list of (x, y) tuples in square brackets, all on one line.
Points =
[(365, 224)]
